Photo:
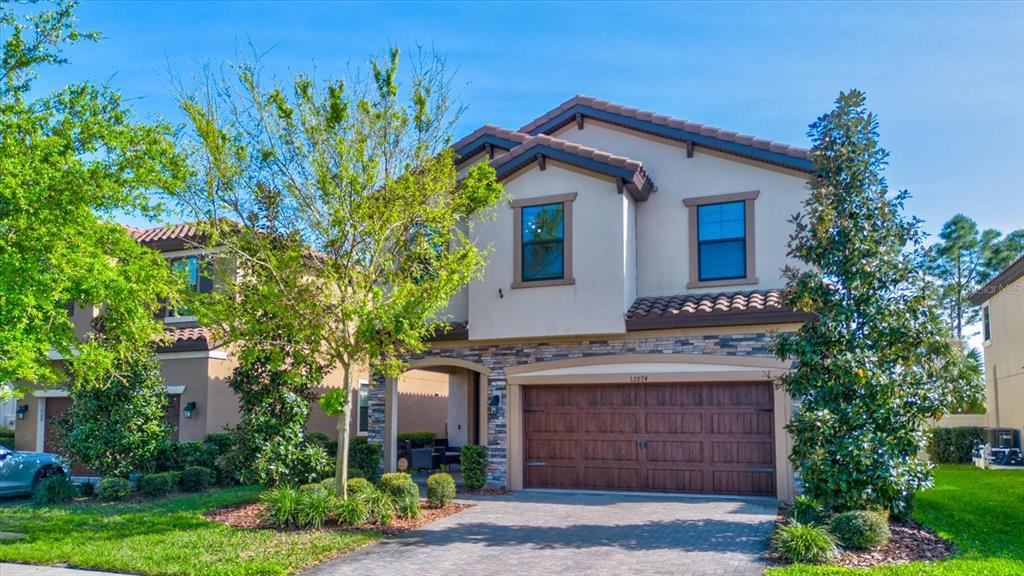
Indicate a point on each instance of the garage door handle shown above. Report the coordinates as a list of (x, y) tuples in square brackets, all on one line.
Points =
[(534, 463)]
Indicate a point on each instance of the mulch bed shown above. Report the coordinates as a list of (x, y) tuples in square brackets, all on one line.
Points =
[(908, 542), (247, 516)]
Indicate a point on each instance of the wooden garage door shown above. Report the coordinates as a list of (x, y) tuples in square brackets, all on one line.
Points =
[(705, 438)]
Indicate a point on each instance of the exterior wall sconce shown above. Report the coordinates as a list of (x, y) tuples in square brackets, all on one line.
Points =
[(21, 411), (495, 401), (190, 408)]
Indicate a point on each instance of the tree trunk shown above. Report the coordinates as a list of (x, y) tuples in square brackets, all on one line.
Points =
[(344, 422)]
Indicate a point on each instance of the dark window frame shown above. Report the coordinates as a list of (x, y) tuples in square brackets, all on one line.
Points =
[(517, 206)]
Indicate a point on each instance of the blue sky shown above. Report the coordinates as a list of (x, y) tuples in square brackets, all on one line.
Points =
[(947, 79)]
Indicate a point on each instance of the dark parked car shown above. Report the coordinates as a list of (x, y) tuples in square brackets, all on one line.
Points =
[(21, 471)]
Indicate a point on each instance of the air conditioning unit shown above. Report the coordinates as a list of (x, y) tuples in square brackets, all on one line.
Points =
[(1002, 437)]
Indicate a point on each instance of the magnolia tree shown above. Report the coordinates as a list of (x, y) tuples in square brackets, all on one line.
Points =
[(341, 197), (877, 360), (69, 161)]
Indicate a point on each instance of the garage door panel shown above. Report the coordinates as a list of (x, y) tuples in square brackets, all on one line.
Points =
[(553, 449), (675, 451), (616, 450), (549, 476), (754, 424), (551, 397), (614, 396), (674, 395), (675, 480), (742, 482), (675, 423), (742, 453), (736, 395), (553, 422), (613, 423), (611, 478)]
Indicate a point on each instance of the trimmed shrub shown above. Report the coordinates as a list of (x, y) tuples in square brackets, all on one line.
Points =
[(417, 439), (954, 445), (440, 489), (366, 457), (315, 507), (805, 543), (806, 510), (159, 484), (196, 478), (112, 489), (282, 506), (86, 489), (474, 466), (860, 529), (356, 473), (55, 489), (394, 484), (7, 438), (352, 512), (357, 486)]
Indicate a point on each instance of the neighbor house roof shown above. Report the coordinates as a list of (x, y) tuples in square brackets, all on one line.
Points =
[(721, 309), (187, 339), (488, 135), (579, 107), (172, 237), (1012, 273)]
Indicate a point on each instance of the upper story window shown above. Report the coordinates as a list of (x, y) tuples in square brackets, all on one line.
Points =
[(195, 281), (543, 241), (986, 325), (721, 240), (363, 425)]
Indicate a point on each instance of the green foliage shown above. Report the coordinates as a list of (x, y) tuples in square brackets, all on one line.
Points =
[(196, 478), (355, 473), (408, 505), (353, 172), (954, 445), (282, 506), (474, 466), (357, 486), (55, 489), (440, 489), (117, 428), (380, 506), (367, 457), (962, 260), (86, 489), (333, 401), (417, 439), (113, 489), (158, 484), (877, 359), (806, 511), (395, 484), (69, 160), (7, 438), (805, 543), (352, 510), (860, 529), (315, 507), (274, 388)]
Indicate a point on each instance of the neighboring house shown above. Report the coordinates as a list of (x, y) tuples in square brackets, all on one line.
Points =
[(619, 336), (1002, 314), (195, 367)]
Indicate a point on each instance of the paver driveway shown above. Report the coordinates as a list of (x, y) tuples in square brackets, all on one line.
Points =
[(563, 533)]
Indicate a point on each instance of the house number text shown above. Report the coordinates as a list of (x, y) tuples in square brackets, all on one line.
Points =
[(638, 378)]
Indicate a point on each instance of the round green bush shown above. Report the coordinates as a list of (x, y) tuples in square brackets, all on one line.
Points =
[(86, 489), (112, 489), (805, 543), (860, 529), (806, 510), (159, 484), (196, 478), (356, 473), (393, 483), (474, 466), (440, 489), (54, 489), (357, 486)]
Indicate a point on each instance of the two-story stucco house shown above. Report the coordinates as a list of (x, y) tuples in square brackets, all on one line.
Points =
[(619, 337), (1002, 314)]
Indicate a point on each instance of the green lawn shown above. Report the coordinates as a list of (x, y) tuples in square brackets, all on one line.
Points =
[(166, 537), (980, 511)]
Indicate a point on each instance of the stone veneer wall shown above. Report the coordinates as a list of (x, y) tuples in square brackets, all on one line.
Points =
[(497, 357)]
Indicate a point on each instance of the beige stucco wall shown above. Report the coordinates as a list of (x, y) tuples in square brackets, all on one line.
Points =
[(423, 402), (1004, 358), (594, 304), (662, 227)]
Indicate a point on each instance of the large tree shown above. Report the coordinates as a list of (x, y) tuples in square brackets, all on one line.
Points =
[(963, 259), (70, 162), (343, 195), (877, 360)]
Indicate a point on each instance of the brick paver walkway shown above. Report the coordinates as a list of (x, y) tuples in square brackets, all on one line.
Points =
[(25, 570), (561, 534)]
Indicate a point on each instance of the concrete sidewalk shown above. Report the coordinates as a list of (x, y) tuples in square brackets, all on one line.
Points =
[(26, 570)]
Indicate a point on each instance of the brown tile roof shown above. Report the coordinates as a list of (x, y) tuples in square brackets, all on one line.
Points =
[(639, 182), (172, 237), (1012, 273), (187, 338), (487, 130), (701, 130), (721, 309)]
